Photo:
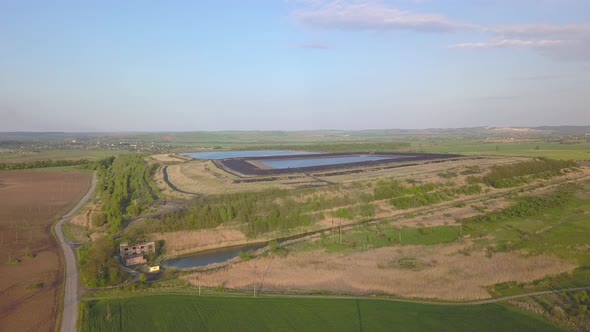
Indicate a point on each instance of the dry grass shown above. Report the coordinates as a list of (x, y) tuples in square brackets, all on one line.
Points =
[(165, 189), (450, 215), (204, 177), (423, 173), (334, 222), (179, 243), (201, 176), (81, 227), (169, 158), (84, 219), (441, 272)]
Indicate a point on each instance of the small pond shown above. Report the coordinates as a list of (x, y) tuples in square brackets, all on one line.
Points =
[(211, 257)]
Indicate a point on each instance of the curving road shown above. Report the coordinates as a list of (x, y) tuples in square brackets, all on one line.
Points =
[(71, 297)]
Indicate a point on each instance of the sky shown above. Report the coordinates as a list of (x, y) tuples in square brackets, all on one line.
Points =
[(292, 65)]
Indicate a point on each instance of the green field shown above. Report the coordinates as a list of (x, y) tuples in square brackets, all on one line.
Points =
[(377, 236), (552, 150), (192, 313), (561, 232)]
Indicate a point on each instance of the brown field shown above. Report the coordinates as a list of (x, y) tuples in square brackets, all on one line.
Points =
[(441, 272), (30, 202)]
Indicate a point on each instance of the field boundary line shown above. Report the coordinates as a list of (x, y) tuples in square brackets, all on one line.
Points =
[(342, 297)]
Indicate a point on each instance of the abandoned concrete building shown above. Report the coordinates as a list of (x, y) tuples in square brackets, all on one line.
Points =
[(134, 254)]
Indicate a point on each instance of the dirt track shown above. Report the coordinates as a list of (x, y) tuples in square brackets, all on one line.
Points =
[(30, 202), (172, 186)]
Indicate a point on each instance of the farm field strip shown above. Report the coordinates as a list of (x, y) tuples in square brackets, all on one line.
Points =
[(31, 270), (187, 313)]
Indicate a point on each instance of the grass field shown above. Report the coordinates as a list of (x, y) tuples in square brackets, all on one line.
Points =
[(561, 232), (382, 236), (191, 313), (553, 150)]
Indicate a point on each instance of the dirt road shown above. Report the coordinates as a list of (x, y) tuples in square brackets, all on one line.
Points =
[(71, 297)]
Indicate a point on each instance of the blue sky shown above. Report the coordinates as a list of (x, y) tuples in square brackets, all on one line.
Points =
[(291, 65)]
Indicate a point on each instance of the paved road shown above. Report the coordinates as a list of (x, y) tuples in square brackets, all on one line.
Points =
[(69, 316)]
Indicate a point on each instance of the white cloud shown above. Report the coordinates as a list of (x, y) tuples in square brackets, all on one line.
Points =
[(497, 43), (314, 46), (374, 16), (563, 42), (571, 31)]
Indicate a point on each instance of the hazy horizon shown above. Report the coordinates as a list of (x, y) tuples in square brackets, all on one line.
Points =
[(288, 131), (294, 65)]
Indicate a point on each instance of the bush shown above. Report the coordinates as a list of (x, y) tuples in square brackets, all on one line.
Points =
[(98, 268), (245, 255), (505, 176), (344, 213), (528, 206), (99, 219), (273, 245), (558, 312)]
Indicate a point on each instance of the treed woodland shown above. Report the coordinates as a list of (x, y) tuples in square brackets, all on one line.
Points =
[(124, 189)]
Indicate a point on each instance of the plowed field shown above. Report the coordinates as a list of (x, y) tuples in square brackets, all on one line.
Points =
[(31, 271)]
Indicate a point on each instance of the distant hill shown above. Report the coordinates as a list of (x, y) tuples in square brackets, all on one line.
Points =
[(566, 130)]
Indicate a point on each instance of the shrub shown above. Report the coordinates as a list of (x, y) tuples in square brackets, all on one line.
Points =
[(245, 255), (98, 268), (99, 219), (505, 176), (558, 312)]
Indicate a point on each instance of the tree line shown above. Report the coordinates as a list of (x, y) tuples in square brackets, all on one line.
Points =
[(125, 188), (260, 212), (43, 164)]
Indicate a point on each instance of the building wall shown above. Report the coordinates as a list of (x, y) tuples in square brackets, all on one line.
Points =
[(135, 260), (137, 249)]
